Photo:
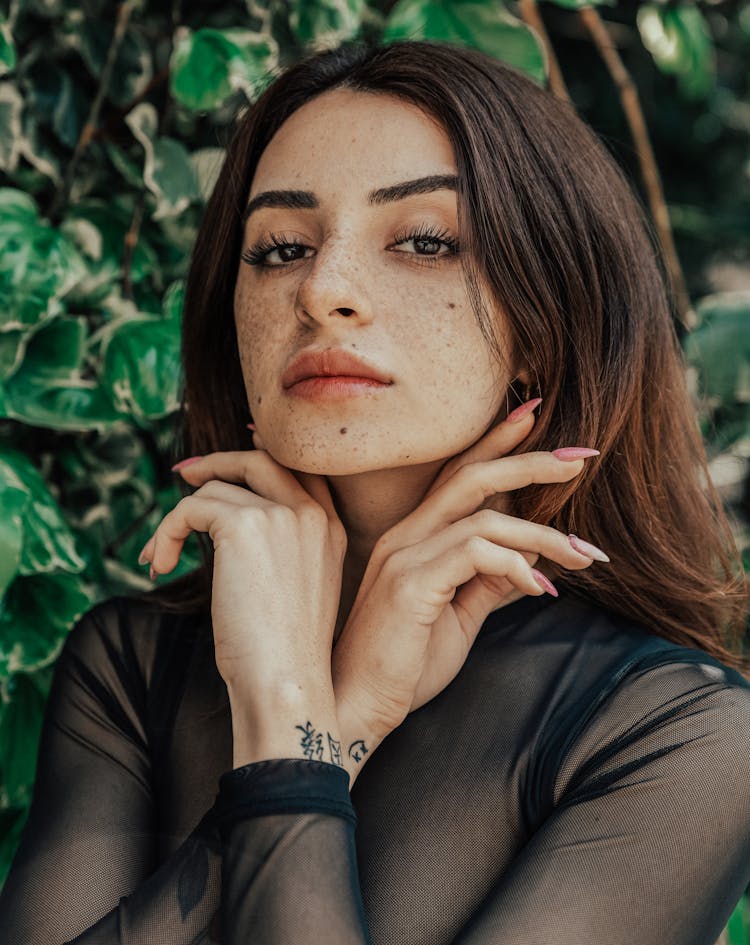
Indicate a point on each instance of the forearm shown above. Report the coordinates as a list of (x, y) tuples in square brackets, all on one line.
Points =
[(293, 724)]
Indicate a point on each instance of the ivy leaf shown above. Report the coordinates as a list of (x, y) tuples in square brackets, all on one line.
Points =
[(48, 543), (208, 65), (38, 266), (37, 614), (142, 368), (325, 23), (680, 41), (484, 26), (75, 405), (168, 172), (56, 350), (20, 727), (7, 49), (91, 37), (719, 348)]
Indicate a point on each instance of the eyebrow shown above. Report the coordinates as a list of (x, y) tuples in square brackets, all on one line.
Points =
[(306, 199)]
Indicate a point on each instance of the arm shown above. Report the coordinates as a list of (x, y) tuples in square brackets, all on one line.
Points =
[(83, 870), (649, 839)]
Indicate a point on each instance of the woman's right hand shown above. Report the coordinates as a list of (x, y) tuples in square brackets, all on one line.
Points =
[(433, 578)]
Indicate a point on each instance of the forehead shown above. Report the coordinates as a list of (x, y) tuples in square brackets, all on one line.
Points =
[(356, 140)]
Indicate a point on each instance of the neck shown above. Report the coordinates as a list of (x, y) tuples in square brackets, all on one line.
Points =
[(369, 504)]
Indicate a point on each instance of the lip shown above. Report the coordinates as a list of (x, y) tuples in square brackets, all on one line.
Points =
[(331, 362)]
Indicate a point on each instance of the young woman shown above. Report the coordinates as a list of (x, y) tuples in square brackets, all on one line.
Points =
[(364, 720)]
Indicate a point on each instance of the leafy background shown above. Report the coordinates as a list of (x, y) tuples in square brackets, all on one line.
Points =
[(113, 121)]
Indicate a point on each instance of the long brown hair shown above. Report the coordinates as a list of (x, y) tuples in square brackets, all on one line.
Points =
[(555, 232)]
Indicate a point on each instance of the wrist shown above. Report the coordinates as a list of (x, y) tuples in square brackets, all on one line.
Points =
[(285, 724), (359, 739)]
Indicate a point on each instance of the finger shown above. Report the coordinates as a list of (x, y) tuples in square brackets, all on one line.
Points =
[(499, 440), (254, 468), (191, 514), (468, 488), (508, 531), (434, 582)]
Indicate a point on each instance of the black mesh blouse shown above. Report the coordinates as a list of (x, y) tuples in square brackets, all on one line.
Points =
[(580, 782)]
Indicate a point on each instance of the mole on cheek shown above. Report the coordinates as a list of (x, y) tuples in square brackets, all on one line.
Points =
[(342, 430), (451, 305)]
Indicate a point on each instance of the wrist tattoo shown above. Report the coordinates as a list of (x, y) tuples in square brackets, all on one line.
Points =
[(311, 744)]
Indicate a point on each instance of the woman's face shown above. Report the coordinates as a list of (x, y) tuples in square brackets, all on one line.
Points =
[(405, 306)]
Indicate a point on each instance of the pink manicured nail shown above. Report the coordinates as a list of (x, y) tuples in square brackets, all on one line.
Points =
[(544, 582), (251, 426), (186, 462), (152, 573), (520, 412), (586, 548), (568, 453)]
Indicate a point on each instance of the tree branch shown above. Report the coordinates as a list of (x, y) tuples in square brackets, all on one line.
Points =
[(62, 194), (649, 170), (532, 17)]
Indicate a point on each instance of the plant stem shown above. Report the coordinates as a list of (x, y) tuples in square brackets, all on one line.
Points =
[(531, 16), (649, 170), (62, 194)]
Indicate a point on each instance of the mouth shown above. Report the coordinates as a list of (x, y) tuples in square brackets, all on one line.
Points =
[(335, 387), (332, 362)]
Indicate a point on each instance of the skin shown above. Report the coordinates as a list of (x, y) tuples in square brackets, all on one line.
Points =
[(410, 314)]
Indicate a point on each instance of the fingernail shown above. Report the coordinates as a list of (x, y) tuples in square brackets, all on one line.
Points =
[(568, 453), (142, 559), (152, 573), (520, 412), (544, 582), (251, 426), (186, 462), (586, 548)]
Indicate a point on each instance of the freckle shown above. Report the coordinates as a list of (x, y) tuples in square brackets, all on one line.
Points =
[(260, 399), (342, 430), (451, 305)]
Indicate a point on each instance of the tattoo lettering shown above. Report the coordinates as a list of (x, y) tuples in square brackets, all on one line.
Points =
[(335, 749), (312, 746), (312, 742), (357, 750)]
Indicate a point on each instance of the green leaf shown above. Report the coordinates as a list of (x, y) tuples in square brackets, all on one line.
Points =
[(38, 611), (325, 23), (488, 27), (56, 350), (38, 266), (719, 348), (13, 503), (62, 405), (142, 367), (680, 41), (168, 172), (98, 229), (48, 543), (208, 65), (7, 50), (17, 206), (91, 37), (20, 727)]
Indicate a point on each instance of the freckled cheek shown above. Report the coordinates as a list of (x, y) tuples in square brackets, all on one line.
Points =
[(259, 343)]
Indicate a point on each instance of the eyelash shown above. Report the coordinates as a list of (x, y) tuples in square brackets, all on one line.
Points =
[(255, 256)]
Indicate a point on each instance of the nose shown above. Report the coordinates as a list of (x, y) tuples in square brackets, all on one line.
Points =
[(334, 286)]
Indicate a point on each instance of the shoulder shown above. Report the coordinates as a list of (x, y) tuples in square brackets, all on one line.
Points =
[(126, 635), (653, 698)]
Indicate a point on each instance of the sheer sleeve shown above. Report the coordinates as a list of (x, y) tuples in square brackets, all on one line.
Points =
[(648, 841), (85, 870)]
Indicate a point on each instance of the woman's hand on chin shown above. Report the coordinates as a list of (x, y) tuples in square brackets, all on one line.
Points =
[(433, 578)]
